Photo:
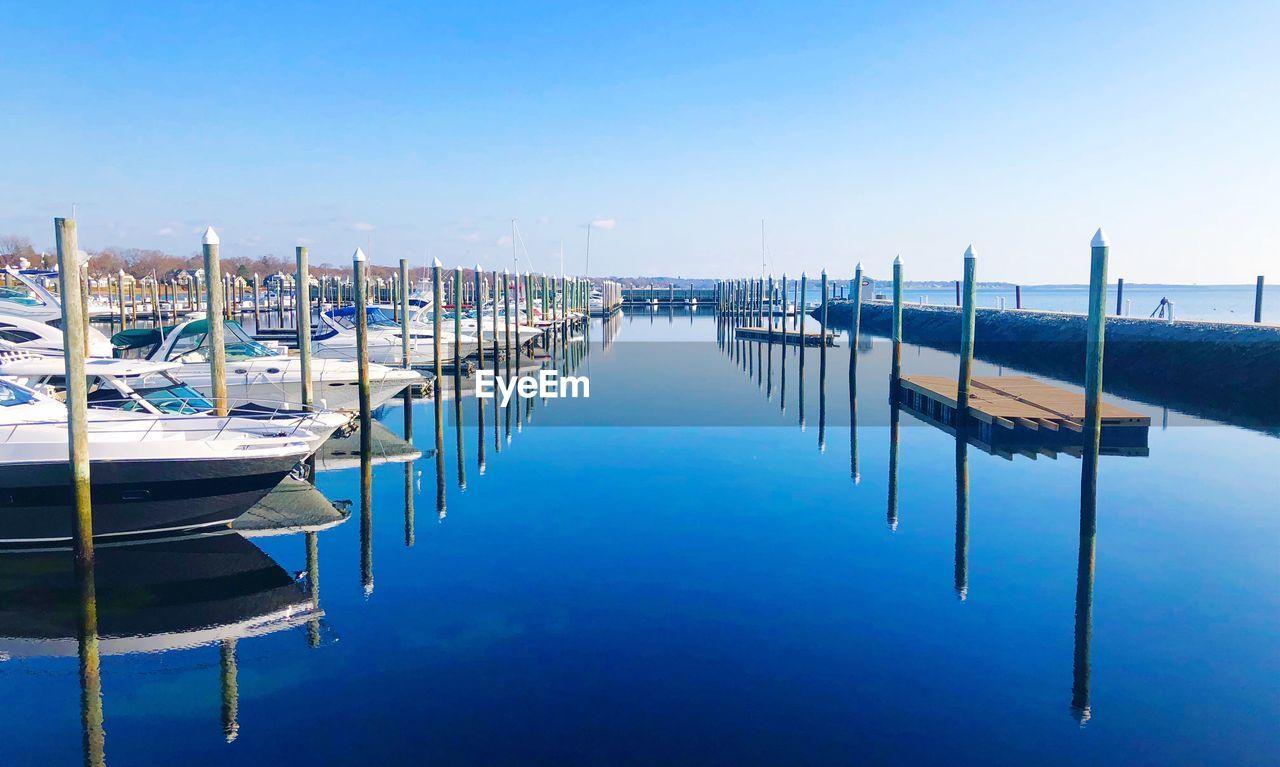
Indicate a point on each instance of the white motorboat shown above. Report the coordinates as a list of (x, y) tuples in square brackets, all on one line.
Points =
[(30, 315), (338, 340), (37, 337), (152, 387), (483, 328), (149, 473), (256, 373)]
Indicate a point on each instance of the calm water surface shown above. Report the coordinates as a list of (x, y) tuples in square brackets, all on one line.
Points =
[(621, 587)]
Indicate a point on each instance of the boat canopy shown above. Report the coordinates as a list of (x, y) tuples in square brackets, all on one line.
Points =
[(375, 316)]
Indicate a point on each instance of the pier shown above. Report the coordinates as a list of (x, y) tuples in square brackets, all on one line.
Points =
[(667, 296), (786, 337), (1009, 414)]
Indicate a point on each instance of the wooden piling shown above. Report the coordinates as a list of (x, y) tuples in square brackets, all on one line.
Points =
[(857, 309), (404, 315), (1095, 336), (1257, 301), (437, 324), (506, 319), (120, 298), (1017, 296), (1119, 296), (73, 345), (216, 340), (896, 364), (302, 301), (362, 347), (967, 320), (257, 308)]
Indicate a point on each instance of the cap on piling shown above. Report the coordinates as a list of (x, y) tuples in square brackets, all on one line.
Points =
[(968, 252), (359, 255), (435, 263), (858, 266), (897, 260), (1100, 239), (211, 237)]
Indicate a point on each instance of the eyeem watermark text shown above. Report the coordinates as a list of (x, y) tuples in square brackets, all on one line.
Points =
[(548, 384)]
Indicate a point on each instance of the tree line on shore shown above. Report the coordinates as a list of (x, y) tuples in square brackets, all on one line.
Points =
[(143, 262)]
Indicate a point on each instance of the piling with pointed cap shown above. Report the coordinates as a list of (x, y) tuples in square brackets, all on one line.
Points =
[(216, 340), (120, 298), (479, 325), (896, 366), (437, 297), (457, 320), (506, 318), (967, 320), (362, 349), (404, 313), (857, 307), (302, 300), (1096, 332)]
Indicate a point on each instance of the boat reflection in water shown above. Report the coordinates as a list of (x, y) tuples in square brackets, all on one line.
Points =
[(151, 597), (160, 595)]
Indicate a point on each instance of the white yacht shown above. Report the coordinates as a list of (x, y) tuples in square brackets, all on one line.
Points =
[(30, 316), (149, 473), (152, 387), (484, 329), (338, 339), (37, 337), (256, 373)]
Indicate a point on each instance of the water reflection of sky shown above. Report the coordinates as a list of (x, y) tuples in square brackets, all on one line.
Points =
[(612, 593)]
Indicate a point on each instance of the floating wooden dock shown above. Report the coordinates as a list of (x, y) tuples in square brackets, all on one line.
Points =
[(789, 337), (1024, 414)]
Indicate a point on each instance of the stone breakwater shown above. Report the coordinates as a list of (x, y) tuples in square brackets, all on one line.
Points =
[(1223, 371)]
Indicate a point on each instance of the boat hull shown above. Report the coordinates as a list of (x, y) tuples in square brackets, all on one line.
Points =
[(133, 498)]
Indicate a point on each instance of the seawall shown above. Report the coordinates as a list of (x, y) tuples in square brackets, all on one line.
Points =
[(1224, 371)]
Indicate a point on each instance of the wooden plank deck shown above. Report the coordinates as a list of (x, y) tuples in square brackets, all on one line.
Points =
[(1019, 415), (789, 337), (1011, 401)]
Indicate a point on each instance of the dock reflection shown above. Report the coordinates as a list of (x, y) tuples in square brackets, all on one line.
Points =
[(151, 597)]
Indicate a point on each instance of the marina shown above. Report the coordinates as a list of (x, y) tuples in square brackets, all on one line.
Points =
[(612, 385)]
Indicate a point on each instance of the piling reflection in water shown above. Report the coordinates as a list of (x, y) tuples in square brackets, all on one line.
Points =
[(366, 520), (151, 597), (962, 516), (1084, 587), (92, 730), (894, 417)]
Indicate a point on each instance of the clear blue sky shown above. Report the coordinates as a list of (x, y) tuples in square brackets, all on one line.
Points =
[(855, 130)]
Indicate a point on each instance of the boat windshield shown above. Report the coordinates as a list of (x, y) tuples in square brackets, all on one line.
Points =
[(20, 295), (14, 395), (192, 343), (178, 399)]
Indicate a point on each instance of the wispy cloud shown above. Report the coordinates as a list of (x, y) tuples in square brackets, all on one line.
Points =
[(604, 223), (167, 231), (504, 241), (362, 226), (467, 237)]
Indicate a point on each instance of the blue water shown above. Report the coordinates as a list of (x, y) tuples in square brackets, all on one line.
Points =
[(1220, 303), (621, 588)]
